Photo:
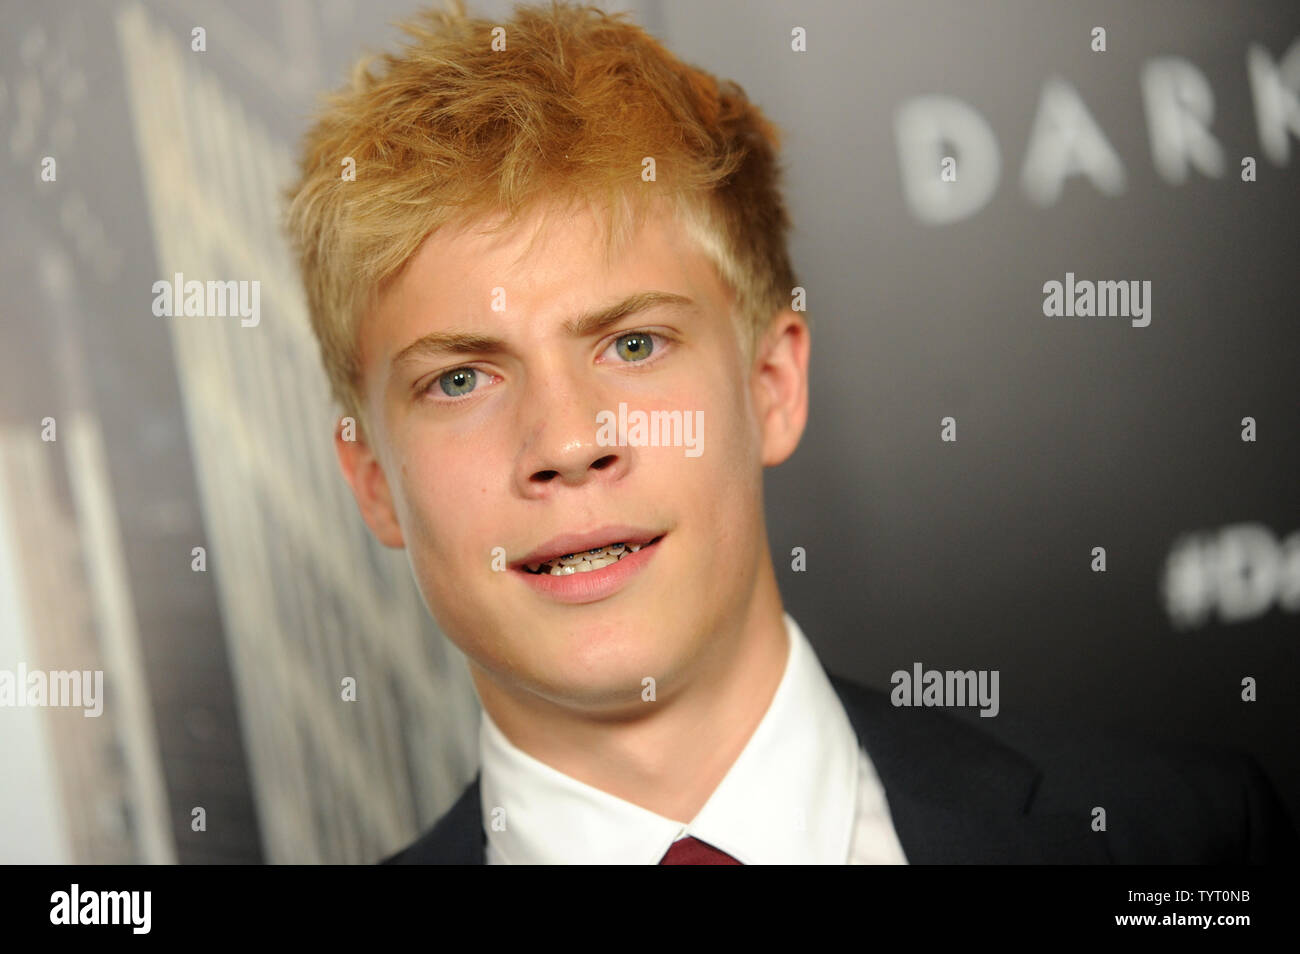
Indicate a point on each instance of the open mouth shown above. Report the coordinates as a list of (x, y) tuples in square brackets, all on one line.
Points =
[(588, 560)]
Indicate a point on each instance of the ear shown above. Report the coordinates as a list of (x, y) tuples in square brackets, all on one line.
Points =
[(369, 485), (779, 385)]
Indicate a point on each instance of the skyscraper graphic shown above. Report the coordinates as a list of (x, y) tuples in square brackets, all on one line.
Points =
[(309, 600)]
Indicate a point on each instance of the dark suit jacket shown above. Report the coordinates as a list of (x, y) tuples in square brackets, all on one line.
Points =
[(958, 795)]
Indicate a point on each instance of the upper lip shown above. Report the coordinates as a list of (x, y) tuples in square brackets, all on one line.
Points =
[(568, 543)]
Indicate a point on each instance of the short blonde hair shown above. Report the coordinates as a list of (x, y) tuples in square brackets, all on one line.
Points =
[(451, 130)]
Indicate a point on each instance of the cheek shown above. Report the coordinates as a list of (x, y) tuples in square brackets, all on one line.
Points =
[(736, 433), (429, 480), (449, 516), (743, 455), (728, 473)]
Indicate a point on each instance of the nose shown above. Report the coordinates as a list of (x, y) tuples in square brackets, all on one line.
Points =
[(558, 428)]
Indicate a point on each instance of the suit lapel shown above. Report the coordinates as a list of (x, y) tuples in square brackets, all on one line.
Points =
[(956, 795), (457, 838), (466, 835)]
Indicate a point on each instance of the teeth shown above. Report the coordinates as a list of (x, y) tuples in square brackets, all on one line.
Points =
[(586, 566), (585, 562)]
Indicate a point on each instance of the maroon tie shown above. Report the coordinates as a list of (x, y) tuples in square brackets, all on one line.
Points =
[(691, 851)]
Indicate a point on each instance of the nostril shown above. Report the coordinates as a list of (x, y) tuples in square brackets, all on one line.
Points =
[(603, 462), (545, 476)]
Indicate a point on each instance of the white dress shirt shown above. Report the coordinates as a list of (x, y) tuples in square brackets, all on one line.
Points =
[(801, 792)]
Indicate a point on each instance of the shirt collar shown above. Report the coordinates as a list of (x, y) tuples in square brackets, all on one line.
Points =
[(789, 798)]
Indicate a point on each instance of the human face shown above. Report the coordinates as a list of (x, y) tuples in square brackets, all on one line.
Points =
[(508, 467)]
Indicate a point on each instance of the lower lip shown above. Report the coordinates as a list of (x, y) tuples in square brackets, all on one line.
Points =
[(594, 584)]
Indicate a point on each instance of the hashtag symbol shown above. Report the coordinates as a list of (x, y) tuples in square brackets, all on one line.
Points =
[(1188, 584)]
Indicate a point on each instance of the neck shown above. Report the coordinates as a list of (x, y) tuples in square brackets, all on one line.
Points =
[(669, 757)]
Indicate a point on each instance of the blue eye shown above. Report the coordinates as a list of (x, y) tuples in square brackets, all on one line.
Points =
[(458, 382), (634, 347)]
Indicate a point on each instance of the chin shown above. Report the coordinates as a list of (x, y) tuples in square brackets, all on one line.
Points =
[(605, 669)]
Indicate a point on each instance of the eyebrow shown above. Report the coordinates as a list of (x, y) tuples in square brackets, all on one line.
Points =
[(581, 326)]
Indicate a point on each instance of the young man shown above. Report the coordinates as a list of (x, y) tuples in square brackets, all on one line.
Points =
[(555, 298)]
